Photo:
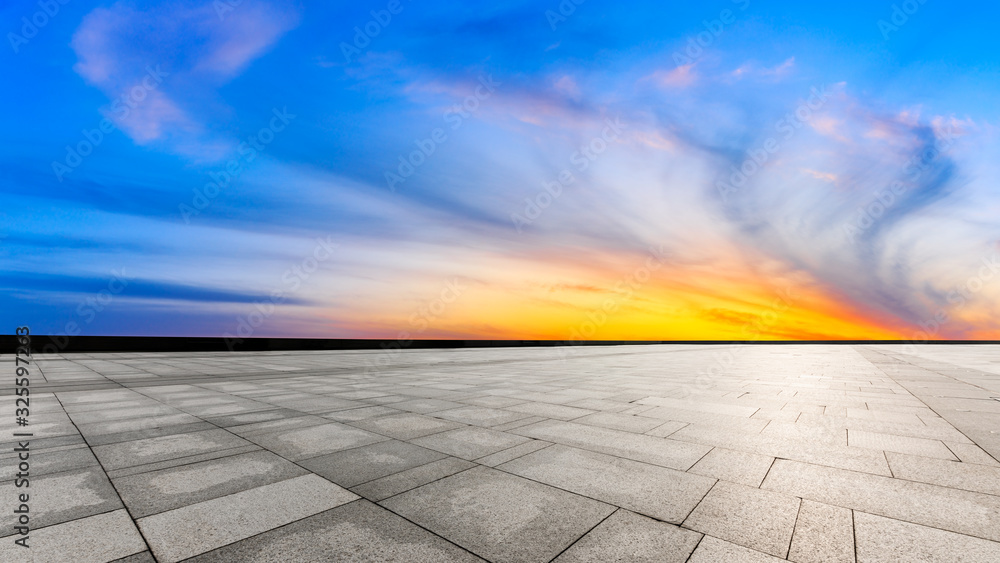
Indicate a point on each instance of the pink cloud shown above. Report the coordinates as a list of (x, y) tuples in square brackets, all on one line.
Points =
[(680, 77), (196, 47)]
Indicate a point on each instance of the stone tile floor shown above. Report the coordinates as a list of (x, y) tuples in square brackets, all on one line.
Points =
[(657, 453)]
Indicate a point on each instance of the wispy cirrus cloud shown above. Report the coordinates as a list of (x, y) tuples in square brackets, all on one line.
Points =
[(190, 49)]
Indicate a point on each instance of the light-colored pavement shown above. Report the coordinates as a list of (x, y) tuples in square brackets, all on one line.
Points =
[(633, 453)]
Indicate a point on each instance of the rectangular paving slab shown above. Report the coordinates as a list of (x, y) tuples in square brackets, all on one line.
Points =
[(499, 516), (665, 494)]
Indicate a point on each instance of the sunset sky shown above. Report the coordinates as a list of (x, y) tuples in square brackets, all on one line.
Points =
[(526, 170)]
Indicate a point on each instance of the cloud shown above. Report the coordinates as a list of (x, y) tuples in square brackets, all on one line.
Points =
[(680, 77), (190, 49)]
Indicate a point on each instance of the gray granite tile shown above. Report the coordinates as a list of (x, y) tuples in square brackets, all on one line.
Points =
[(198, 528), (352, 467), (500, 517), (158, 491), (884, 539), (359, 531), (659, 492), (403, 481), (105, 537), (61, 497), (313, 441), (754, 518), (823, 534), (900, 444), (953, 474), (625, 422), (714, 550), (548, 410), (481, 416), (626, 536), (965, 512), (648, 449), (504, 456), (470, 442), (405, 426), (161, 448), (744, 468)]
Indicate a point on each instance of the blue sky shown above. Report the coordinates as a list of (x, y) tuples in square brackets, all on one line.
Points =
[(306, 232)]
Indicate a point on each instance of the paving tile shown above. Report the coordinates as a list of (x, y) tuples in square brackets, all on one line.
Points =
[(504, 456), (403, 481), (359, 531), (48, 461), (158, 491), (195, 529), (600, 405), (639, 447), (846, 457), (666, 429), (971, 453), (500, 517), (714, 550), (360, 414), (481, 416), (823, 534), (957, 475), (901, 444), (548, 410), (700, 406), (424, 406), (254, 417), (303, 443), (737, 467), (628, 423), (141, 557), (61, 497), (156, 466), (406, 426), (884, 539), (518, 423), (270, 426), (470, 442), (493, 401), (626, 536), (95, 539), (662, 493), (161, 448), (720, 422), (352, 467), (959, 511), (754, 518)]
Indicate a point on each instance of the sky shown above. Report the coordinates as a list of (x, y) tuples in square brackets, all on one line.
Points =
[(588, 169)]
